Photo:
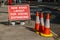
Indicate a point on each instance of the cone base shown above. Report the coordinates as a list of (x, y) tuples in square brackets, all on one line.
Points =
[(50, 35), (37, 32)]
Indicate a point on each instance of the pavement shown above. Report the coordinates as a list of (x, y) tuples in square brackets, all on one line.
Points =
[(18, 32), (23, 32)]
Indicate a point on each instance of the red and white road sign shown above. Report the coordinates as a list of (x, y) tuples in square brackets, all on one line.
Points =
[(19, 12)]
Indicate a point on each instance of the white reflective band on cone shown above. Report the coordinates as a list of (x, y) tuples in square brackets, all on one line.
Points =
[(42, 21), (37, 19), (47, 23)]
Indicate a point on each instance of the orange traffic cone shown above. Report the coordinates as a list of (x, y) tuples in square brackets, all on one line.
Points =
[(47, 32), (42, 22), (37, 23)]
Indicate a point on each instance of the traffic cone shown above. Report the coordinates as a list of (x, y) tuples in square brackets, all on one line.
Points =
[(47, 32), (42, 22), (37, 23)]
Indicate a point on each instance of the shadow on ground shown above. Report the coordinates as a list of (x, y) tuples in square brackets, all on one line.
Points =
[(3, 12), (30, 29), (9, 23), (4, 23)]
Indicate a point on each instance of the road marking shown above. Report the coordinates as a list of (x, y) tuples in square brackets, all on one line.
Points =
[(54, 33)]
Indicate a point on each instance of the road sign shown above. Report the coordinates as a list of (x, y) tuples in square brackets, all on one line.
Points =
[(19, 12)]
